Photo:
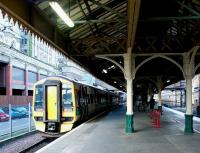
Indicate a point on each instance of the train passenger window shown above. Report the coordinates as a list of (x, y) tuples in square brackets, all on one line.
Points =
[(38, 97), (91, 97), (67, 96)]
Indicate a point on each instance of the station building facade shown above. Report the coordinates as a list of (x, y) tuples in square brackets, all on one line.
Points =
[(175, 94), (24, 59)]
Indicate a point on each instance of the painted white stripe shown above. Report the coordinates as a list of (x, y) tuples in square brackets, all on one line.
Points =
[(182, 124), (65, 135), (174, 111), (183, 114)]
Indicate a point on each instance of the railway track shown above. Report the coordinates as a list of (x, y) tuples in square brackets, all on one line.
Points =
[(33, 142), (38, 145), (27, 143)]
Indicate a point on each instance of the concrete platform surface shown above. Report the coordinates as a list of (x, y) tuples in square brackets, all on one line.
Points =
[(107, 135)]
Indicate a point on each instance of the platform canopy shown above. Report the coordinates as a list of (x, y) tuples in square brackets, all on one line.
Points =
[(152, 27)]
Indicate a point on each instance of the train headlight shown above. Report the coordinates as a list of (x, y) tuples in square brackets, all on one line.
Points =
[(38, 109), (68, 109), (38, 118), (68, 119)]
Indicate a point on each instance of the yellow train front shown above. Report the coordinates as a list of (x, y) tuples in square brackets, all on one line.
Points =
[(59, 103)]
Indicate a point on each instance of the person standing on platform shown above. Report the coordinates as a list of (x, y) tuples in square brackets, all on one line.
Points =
[(152, 103)]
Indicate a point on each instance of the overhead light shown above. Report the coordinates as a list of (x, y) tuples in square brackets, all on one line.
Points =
[(61, 13), (120, 86), (104, 71), (115, 81), (168, 81), (111, 67), (138, 85)]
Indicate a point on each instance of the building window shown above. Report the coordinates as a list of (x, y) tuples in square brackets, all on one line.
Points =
[(24, 41), (30, 92), (2, 91), (18, 74), (32, 77), (2, 76), (17, 92)]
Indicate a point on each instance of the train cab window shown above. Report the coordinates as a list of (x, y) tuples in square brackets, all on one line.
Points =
[(67, 96), (38, 98)]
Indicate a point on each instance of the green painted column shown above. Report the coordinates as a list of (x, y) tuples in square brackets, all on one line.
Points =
[(129, 124), (188, 123), (188, 65), (188, 114)]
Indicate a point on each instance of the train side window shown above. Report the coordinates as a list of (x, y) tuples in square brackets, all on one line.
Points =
[(82, 95), (91, 98), (78, 98), (67, 96), (95, 96), (39, 101)]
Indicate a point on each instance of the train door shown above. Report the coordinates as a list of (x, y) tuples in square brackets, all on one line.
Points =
[(52, 103), (52, 96)]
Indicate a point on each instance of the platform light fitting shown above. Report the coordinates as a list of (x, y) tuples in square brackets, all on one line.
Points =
[(104, 71), (61, 13), (168, 81), (115, 81), (111, 67)]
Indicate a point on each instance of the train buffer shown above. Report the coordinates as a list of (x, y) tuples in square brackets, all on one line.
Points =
[(155, 118)]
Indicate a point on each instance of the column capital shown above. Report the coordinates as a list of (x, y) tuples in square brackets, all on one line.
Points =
[(159, 82), (129, 50), (129, 64), (127, 56), (189, 77), (188, 67)]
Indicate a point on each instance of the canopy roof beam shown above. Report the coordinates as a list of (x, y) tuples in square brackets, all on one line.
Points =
[(107, 8), (188, 8), (99, 21), (133, 15), (169, 18)]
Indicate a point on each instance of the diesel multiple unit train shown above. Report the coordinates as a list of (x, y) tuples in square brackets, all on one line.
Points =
[(58, 103)]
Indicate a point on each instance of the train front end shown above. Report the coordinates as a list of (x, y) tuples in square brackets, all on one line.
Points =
[(54, 108)]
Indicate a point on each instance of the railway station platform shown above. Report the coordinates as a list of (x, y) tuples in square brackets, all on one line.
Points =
[(106, 134)]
